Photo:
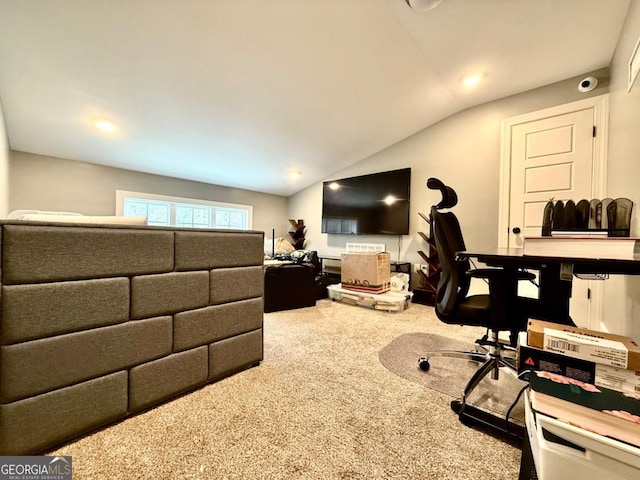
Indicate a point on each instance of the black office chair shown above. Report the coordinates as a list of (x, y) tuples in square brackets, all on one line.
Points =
[(498, 311)]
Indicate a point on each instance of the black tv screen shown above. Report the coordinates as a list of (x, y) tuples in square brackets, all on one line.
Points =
[(374, 204)]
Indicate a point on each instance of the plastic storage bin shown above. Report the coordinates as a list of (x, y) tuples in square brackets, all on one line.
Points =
[(570, 452), (389, 301)]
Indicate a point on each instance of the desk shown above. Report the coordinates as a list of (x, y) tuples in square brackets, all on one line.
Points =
[(552, 303), (554, 290)]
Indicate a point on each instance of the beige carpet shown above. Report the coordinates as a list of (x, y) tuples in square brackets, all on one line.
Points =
[(320, 406)]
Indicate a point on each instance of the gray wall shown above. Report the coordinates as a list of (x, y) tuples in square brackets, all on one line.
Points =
[(48, 183), (4, 167), (622, 293), (464, 152)]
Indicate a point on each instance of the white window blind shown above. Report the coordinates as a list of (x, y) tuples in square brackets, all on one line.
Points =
[(184, 212)]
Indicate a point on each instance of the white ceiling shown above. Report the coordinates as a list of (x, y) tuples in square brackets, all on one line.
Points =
[(240, 92)]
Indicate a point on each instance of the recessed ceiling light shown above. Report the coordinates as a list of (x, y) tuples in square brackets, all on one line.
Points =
[(104, 124), (472, 80), (293, 174)]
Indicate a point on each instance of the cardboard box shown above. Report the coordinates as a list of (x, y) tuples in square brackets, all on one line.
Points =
[(368, 271), (599, 347)]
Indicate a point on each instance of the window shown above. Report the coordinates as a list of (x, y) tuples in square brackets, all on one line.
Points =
[(184, 212)]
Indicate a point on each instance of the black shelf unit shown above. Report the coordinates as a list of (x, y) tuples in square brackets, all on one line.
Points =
[(296, 234), (425, 294)]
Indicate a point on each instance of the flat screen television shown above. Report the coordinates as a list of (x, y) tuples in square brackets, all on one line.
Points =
[(374, 204)]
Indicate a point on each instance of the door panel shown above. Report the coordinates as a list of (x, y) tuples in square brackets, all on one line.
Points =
[(543, 143), (552, 158), (548, 178)]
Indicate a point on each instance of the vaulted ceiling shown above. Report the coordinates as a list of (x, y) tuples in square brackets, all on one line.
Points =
[(243, 92)]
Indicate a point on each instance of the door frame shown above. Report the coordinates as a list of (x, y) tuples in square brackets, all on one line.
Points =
[(600, 105)]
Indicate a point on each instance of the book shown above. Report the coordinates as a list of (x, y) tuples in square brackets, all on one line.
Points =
[(601, 347), (598, 247), (600, 375), (609, 423), (579, 392)]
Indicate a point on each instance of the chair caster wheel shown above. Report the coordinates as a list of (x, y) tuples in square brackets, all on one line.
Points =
[(423, 364)]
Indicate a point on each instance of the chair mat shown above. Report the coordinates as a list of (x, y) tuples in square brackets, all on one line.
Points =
[(450, 375)]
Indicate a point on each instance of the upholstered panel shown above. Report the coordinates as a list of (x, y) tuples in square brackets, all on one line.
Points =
[(31, 425), (231, 284), (231, 354), (168, 293), (39, 253), (34, 367), (38, 310), (155, 381), (206, 325), (207, 250), (88, 316)]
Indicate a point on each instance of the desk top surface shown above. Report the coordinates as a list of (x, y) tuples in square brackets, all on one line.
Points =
[(516, 257)]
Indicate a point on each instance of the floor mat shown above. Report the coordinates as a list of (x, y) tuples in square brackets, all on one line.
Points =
[(450, 375)]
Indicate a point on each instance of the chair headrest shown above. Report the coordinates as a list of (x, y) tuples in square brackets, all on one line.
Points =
[(449, 196)]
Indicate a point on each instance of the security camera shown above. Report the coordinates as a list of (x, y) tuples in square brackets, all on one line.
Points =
[(587, 84)]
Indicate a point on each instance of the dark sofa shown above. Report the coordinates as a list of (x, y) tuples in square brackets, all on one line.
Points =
[(289, 286), (102, 321)]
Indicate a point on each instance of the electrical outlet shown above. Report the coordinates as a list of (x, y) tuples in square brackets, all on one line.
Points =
[(417, 267)]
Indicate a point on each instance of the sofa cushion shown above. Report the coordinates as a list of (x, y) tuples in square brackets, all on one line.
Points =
[(207, 250), (44, 309), (31, 368), (33, 254), (231, 284), (206, 325), (66, 413), (231, 354), (168, 293), (166, 377)]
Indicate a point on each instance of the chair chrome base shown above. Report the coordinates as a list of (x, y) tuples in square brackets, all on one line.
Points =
[(491, 359)]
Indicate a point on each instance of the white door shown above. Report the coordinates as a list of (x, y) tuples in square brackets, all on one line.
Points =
[(553, 154), (551, 158)]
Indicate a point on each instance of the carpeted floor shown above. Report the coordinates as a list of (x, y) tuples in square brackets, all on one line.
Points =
[(321, 405)]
